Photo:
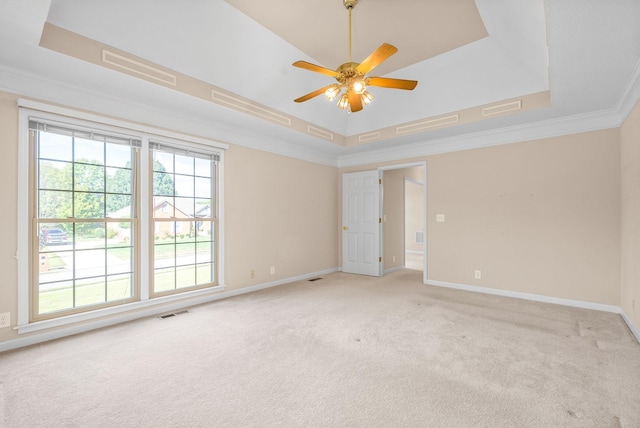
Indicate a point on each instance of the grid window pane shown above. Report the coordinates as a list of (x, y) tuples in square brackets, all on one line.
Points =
[(186, 276), (55, 175), (77, 265), (184, 164), (184, 185), (202, 187), (90, 291), (91, 263), (119, 287), (88, 151), (203, 168), (55, 147), (55, 297), (88, 205), (119, 206), (118, 155), (55, 204), (164, 279), (88, 177), (204, 273), (184, 222), (119, 180)]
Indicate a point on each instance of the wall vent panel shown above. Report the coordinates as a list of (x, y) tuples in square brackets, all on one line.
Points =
[(502, 108), (320, 132), (137, 68), (249, 107), (426, 124)]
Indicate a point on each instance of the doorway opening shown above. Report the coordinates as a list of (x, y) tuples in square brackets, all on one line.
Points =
[(414, 233), (403, 205)]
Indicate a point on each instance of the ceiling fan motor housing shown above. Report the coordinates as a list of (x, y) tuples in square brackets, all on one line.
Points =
[(347, 72)]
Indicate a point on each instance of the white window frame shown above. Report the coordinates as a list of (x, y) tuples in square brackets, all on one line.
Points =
[(29, 108)]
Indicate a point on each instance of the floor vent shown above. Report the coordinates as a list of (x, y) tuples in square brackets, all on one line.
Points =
[(314, 279), (173, 314)]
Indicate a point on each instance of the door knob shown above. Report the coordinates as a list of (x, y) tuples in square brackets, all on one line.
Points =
[(345, 228)]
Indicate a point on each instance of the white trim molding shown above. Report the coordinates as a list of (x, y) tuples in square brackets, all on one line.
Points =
[(635, 331), (541, 298)]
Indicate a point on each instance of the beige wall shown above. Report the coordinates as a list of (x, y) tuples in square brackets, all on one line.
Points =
[(630, 215), (279, 212), (538, 217)]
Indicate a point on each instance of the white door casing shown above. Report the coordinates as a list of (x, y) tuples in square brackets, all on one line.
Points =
[(361, 223)]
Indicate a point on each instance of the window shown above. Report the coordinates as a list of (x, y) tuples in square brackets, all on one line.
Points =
[(83, 219), (184, 224), (92, 239)]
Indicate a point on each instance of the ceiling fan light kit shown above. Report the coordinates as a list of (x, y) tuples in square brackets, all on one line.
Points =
[(351, 76)]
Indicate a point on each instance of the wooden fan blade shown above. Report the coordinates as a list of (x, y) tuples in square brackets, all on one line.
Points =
[(372, 61), (312, 67), (387, 82), (312, 94), (355, 101)]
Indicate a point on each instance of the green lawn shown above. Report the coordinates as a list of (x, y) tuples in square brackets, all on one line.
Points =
[(95, 291)]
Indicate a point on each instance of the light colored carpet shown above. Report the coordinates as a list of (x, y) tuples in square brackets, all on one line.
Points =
[(345, 351)]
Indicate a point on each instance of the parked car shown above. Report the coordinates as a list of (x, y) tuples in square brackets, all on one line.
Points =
[(52, 236)]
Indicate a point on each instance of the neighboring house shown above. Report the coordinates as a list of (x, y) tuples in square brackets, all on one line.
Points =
[(177, 208), (167, 208)]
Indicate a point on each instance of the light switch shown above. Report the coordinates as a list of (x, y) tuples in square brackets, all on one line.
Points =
[(440, 218)]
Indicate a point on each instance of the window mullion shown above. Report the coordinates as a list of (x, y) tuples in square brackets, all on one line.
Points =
[(145, 220)]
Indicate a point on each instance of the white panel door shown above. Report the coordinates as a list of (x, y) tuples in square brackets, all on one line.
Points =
[(360, 223)]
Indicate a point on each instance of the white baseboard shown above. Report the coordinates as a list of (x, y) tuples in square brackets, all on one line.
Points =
[(252, 288), (540, 298), (394, 269), (632, 327), (69, 330)]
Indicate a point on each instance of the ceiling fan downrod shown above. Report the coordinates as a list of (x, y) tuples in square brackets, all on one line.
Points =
[(350, 4)]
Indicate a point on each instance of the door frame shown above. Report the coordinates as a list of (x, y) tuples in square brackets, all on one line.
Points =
[(381, 170)]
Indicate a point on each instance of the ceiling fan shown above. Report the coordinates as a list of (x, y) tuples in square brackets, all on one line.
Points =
[(351, 76)]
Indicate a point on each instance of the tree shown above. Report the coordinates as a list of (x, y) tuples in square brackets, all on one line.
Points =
[(88, 195), (54, 199), (119, 188), (162, 182)]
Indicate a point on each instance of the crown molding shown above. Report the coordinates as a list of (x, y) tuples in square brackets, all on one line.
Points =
[(588, 122), (630, 95), (49, 90), (594, 121)]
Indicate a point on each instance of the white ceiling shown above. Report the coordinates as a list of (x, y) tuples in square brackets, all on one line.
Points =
[(587, 54)]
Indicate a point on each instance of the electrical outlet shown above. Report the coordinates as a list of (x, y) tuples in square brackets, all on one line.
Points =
[(252, 274), (272, 271), (5, 319), (394, 259), (478, 274)]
